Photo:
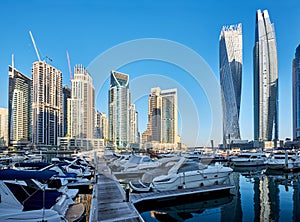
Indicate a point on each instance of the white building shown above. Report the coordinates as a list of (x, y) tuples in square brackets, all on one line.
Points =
[(133, 125), (81, 105), (46, 104), (3, 127)]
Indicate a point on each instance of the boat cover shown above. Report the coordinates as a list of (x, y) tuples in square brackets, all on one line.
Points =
[(11, 174)]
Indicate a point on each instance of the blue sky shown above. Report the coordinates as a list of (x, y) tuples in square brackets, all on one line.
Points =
[(88, 28)]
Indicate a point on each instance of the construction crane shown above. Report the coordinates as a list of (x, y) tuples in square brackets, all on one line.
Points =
[(69, 66), (46, 58), (34, 45)]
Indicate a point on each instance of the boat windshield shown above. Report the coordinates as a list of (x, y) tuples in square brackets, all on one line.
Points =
[(135, 159), (191, 166)]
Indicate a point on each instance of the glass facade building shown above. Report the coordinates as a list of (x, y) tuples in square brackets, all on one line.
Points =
[(19, 108), (265, 79), (230, 57), (118, 109), (296, 95)]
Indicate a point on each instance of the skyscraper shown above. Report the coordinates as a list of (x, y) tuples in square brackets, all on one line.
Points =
[(66, 94), (101, 125), (162, 124), (46, 104), (265, 79), (230, 58), (169, 116), (19, 108), (3, 127), (296, 95), (118, 109), (81, 105)]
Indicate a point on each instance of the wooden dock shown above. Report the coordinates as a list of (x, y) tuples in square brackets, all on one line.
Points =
[(139, 197), (109, 200)]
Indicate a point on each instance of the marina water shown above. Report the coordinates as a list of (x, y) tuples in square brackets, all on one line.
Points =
[(258, 196)]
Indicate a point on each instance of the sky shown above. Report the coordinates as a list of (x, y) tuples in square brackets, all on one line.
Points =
[(89, 29)]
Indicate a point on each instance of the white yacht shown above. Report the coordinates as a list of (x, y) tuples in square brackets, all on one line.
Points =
[(21, 202), (181, 174), (283, 161), (135, 167), (249, 159)]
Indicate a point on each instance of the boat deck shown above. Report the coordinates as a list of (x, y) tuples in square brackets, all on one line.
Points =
[(138, 197)]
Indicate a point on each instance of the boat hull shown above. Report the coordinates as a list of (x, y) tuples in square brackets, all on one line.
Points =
[(192, 179)]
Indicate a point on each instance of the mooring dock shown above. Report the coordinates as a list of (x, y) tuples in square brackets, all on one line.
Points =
[(109, 200), (139, 197)]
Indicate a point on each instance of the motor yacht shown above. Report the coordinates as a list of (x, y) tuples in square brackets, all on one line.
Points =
[(181, 174), (249, 159), (283, 161)]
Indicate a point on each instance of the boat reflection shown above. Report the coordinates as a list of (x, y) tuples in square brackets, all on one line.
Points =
[(179, 210)]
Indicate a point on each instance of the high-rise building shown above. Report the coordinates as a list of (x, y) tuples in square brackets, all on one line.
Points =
[(133, 125), (265, 79), (81, 105), (296, 95), (118, 108), (66, 94), (230, 58), (46, 104), (3, 127), (162, 124), (19, 108), (169, 116)]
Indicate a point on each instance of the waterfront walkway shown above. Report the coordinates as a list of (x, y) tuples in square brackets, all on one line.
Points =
[(110, 199)]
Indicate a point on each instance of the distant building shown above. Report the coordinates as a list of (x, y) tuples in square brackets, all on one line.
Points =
[(296, 95), (66, 95), (69, 143), (81, 105), (118, 110), (46, 104), (133, 125), (101, 125), (3, 127), (230, 59), (265, 79), (19, 108), (162, 124)]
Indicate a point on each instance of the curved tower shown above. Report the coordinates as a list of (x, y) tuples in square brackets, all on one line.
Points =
[(265, 79), (230, 56)]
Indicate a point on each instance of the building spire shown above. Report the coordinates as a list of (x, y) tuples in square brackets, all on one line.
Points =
[(12, 61)]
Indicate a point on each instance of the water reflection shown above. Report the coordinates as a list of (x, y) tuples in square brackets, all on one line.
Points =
[(258, 197)]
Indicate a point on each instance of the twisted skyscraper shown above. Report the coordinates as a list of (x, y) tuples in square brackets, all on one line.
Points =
[(265, 79), (231, 79)]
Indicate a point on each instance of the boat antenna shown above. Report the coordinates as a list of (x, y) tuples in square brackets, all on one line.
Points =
[(69, 66)]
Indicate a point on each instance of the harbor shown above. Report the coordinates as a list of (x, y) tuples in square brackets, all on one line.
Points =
[(107, 198)]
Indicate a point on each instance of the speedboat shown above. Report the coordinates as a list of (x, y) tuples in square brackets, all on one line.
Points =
[(135, 167), (23, 201), (283, 161), (249, 159), (182, 174)]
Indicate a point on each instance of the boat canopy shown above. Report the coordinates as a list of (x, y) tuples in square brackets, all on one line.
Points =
[(11, 174)]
